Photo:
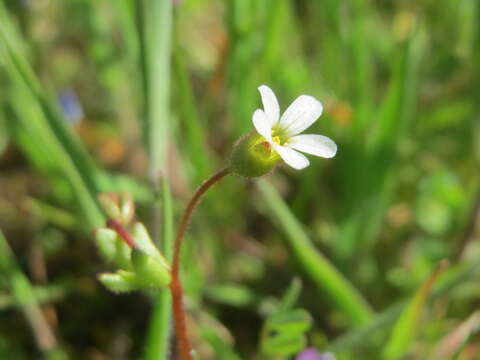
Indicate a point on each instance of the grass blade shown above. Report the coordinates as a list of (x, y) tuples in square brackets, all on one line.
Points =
[(322, 272), (157, 344), (24, 296), (155, 32), (405, 328), (43, 126)]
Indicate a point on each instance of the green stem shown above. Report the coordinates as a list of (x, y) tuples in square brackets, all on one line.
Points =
[(157, 344)]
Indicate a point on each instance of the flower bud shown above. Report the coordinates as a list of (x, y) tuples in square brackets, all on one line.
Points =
[(111, 248), (110, 204), (152, 272), (145, 243), (252, 156)]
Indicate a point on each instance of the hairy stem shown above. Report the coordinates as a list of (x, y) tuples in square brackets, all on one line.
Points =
[(122, 232), (176, 290)]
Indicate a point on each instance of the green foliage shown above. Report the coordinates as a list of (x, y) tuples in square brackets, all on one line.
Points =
[(284, 330)]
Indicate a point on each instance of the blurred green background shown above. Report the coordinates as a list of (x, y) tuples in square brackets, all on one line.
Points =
[(134, 95)]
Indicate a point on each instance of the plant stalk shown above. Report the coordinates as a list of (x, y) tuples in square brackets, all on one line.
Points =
[(183, 343)]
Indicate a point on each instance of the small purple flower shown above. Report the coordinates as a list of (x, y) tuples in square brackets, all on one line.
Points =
[(70, 104), (312, 354)]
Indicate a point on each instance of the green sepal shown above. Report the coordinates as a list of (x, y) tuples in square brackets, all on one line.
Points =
[(112, 249), (252, 157), (151, 271), (106, 240), (145, 243), (120, 282), (122, 255)]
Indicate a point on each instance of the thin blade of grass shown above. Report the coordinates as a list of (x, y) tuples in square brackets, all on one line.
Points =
[(157, 343), (365, 336), (407, 324), (155, 29), (327, 278), (24, 297), (451, 346), (42, 123)]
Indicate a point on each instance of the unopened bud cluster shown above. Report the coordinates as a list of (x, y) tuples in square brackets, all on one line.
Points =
[(140, 264)]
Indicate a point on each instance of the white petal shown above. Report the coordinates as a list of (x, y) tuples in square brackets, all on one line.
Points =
[(262, 124), (270, 104), (318, 145), (291, 157), (302, 113)]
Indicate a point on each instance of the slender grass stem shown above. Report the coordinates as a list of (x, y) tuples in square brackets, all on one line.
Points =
[(157, 347), (24, 296), (184, 346)]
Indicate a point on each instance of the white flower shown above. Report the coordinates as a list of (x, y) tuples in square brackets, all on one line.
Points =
[(282, 132)]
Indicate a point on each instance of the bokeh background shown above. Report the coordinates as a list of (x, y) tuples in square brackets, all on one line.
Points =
[(125, 95)]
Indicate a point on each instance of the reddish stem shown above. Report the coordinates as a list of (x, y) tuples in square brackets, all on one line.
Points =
[(183, 343), (121, 231)]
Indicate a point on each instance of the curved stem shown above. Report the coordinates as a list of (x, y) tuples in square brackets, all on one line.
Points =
[(176, 290)]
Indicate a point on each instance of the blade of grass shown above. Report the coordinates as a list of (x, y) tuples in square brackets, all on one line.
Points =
[(24, 296), (378, 327), (157, 343), (155, 29), (378, 156), (453, 343), (407, 324), (43, 124), (323, 273), (190, 124)]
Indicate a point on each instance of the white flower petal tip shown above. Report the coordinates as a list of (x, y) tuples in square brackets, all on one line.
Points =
[(262, 124), (270, 104), (317, 145), (302, 113), (291, 157)]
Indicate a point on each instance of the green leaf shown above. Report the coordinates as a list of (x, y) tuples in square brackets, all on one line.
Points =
[(120, 282), (291, 295), (284, 344), (290, 321)]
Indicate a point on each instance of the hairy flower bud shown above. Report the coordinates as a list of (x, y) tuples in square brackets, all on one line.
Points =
[(252, 156)]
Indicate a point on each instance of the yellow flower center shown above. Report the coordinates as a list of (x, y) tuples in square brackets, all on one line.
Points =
[(276, 139)]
